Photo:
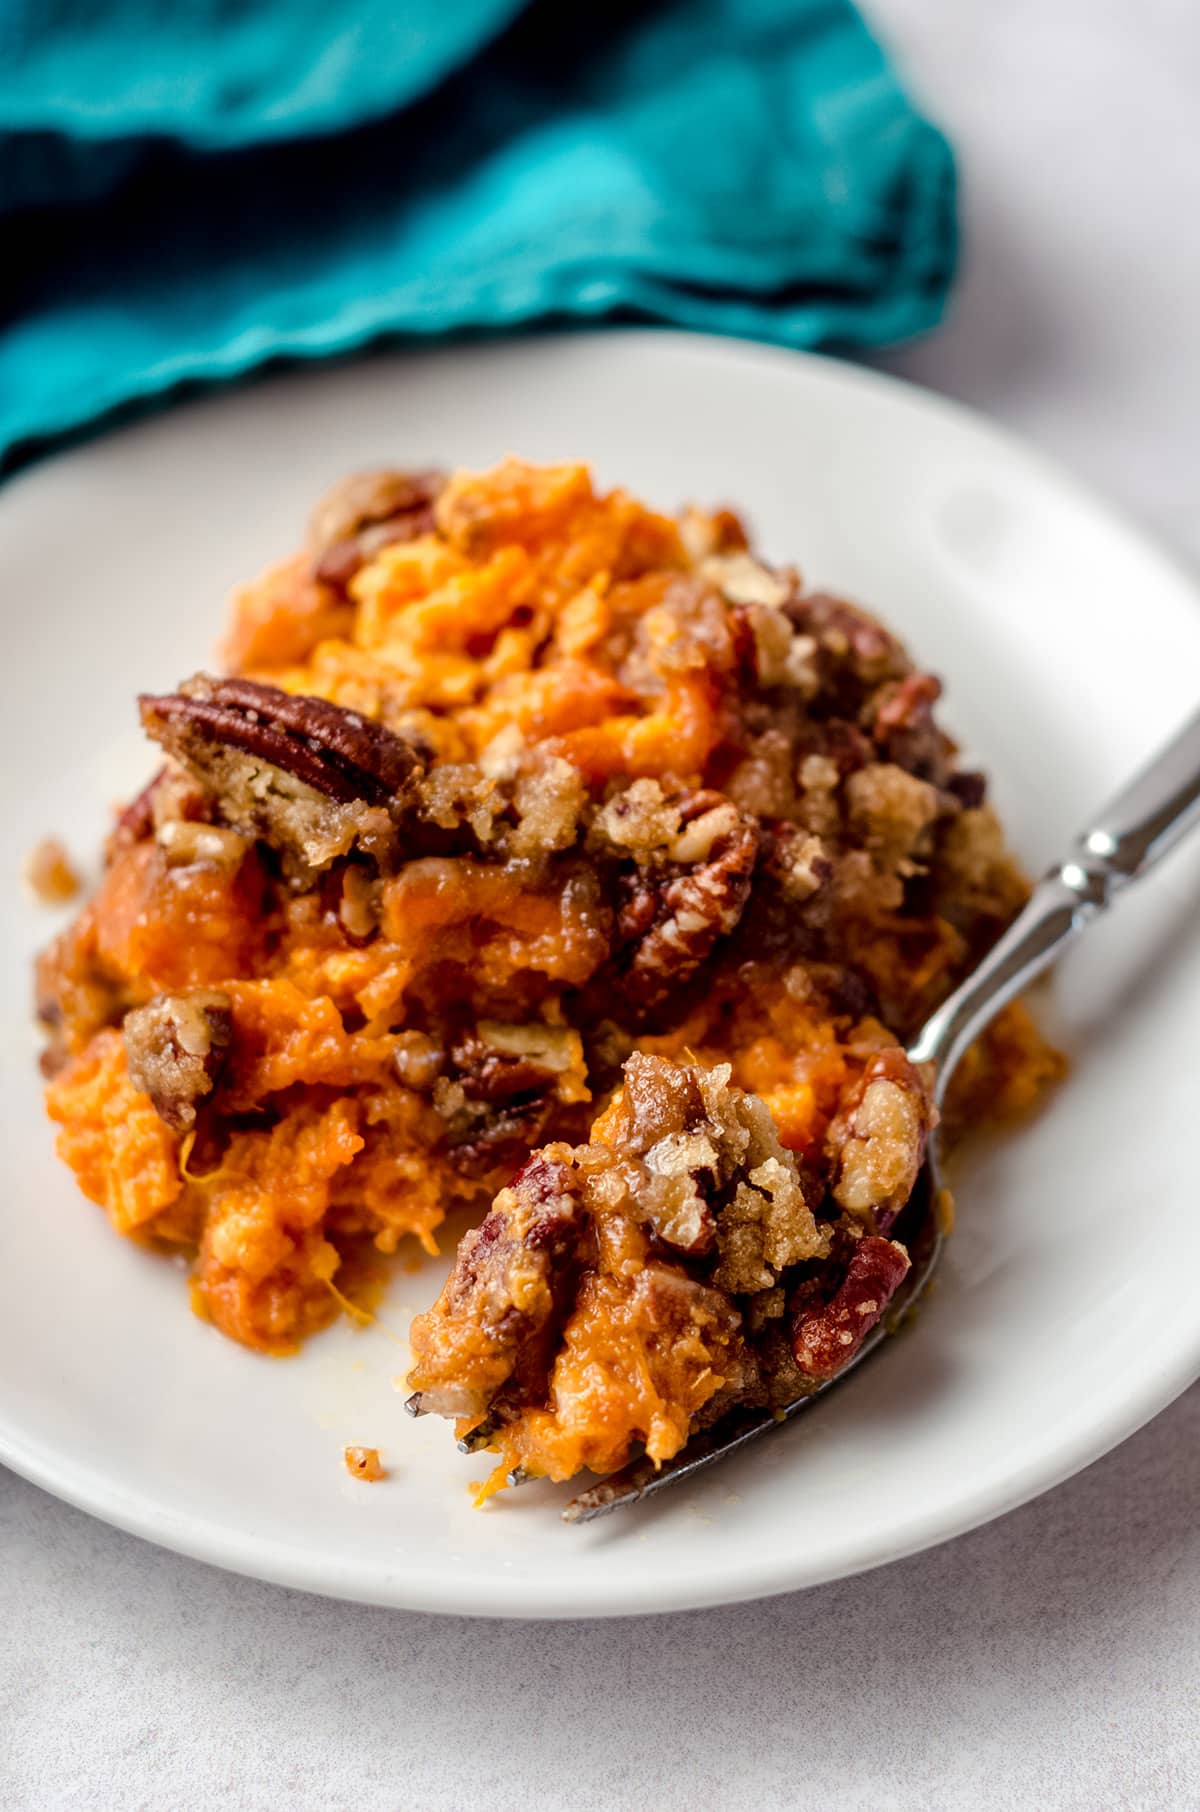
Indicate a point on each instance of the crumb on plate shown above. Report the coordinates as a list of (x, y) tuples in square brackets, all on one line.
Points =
[(364, 1463), (50, 874)]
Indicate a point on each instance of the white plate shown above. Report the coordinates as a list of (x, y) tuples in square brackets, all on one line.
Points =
[(1065, 1315)]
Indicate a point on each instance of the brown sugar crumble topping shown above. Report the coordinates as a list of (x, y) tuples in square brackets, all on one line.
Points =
[(545, 852)]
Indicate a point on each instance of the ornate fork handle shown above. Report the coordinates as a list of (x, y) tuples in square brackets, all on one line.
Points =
[(1133, 832)]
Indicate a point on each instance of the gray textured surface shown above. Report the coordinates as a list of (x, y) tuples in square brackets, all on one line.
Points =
[(1051, 1661)]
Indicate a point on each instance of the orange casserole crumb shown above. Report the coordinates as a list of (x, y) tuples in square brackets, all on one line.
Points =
[(364, 1463)]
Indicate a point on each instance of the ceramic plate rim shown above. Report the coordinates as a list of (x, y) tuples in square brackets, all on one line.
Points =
[(1123, 1413), (251, 1557)]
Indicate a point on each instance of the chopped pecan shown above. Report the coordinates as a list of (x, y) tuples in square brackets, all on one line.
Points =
[(706, 532), (831, 750), (498, 1062), (905, 730), (772, 652), (839, 990), (299, 772), (357, 902), (184, 843), (673, 917), (419, 1060), (667, 1164), (684, 1166), (856, 641), (135, 821), (658, 1100), (366, 512), (175, 1048), (494, 1326), (797, 861), (167, 803), (500, 1076), (744, 580), (640, 820), (489, 1139), (877, 1141), (906, 704), (712, 1172), (503, 1086), (969, 788), (826, 1338), (683, 1312)]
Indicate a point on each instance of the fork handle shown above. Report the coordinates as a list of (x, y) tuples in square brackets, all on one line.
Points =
[(1133, 831)]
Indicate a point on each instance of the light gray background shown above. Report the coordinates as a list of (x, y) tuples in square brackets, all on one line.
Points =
[(1051, 1661)]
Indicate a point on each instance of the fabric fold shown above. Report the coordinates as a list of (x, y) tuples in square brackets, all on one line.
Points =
[(748, 168)]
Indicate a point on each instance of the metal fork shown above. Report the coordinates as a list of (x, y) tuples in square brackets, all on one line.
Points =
[(1146, 819)]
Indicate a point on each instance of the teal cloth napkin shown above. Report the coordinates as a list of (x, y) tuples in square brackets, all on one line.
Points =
[(190, 189)]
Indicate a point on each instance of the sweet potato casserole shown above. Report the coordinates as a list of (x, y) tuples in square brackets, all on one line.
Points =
[(542, 851)]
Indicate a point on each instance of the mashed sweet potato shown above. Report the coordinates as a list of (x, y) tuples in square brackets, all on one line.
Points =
[(512, 787)]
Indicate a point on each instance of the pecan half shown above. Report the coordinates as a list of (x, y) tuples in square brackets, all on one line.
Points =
[(494, 1325), (175, 1048), (673, 917), (825, 1339), (334, 751), (366, 512), (283, 766)]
